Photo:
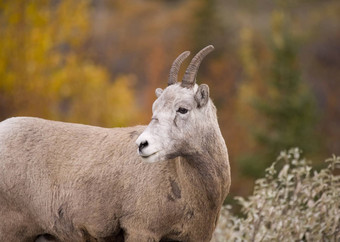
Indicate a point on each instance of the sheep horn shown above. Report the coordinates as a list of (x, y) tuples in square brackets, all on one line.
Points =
[(191, 72), (175, 67)]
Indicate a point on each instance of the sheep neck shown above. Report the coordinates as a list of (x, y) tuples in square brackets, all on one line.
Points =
[(208, 168)]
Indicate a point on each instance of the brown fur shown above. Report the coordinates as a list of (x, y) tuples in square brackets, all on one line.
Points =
[(84, 183)]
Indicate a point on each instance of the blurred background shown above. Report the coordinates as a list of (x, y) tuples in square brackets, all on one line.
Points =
[(274, 74)]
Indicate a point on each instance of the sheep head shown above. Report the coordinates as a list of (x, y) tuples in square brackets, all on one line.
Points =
[(182, 115)]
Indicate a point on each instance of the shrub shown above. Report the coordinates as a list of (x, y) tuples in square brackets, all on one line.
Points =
[(292, 202)]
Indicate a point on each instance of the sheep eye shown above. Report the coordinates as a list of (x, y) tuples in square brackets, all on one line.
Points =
[(182, 110)]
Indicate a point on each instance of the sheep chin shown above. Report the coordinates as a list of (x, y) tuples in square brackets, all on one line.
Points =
[(153, 158)]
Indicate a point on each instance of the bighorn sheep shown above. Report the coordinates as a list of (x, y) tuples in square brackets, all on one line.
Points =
[(72, 182)]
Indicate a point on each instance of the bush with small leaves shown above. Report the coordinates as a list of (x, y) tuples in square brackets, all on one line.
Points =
[(294, 203)]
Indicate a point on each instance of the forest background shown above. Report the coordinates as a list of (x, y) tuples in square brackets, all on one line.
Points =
[(274, 74)]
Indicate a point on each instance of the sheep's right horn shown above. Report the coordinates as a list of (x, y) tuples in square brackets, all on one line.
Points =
[(175, 67), (191, 72)]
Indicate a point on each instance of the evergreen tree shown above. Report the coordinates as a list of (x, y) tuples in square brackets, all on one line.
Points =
[(286, 108)]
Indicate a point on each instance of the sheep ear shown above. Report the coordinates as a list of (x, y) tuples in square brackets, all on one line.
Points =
[(159, 92), (202, 95)]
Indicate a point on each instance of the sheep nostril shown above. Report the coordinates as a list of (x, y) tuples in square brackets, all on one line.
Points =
[(143, 145)]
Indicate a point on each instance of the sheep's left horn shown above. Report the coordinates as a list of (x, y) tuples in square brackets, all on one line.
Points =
[(191, 72), (175, 67)]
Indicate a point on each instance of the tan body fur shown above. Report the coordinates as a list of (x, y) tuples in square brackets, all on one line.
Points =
[(80, 182)]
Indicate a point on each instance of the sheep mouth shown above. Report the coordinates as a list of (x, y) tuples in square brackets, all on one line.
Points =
[(147, 156)]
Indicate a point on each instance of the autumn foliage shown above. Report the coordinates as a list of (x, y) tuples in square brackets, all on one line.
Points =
[(44, 73), (274, 75)]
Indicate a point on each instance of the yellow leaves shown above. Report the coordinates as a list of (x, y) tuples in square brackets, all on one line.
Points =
[(90, 95), (71, 21), (35, 14), (120, 100), (42, 72), (9, 12)]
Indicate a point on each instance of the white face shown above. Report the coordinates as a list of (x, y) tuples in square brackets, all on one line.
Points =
[(179, 115)]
